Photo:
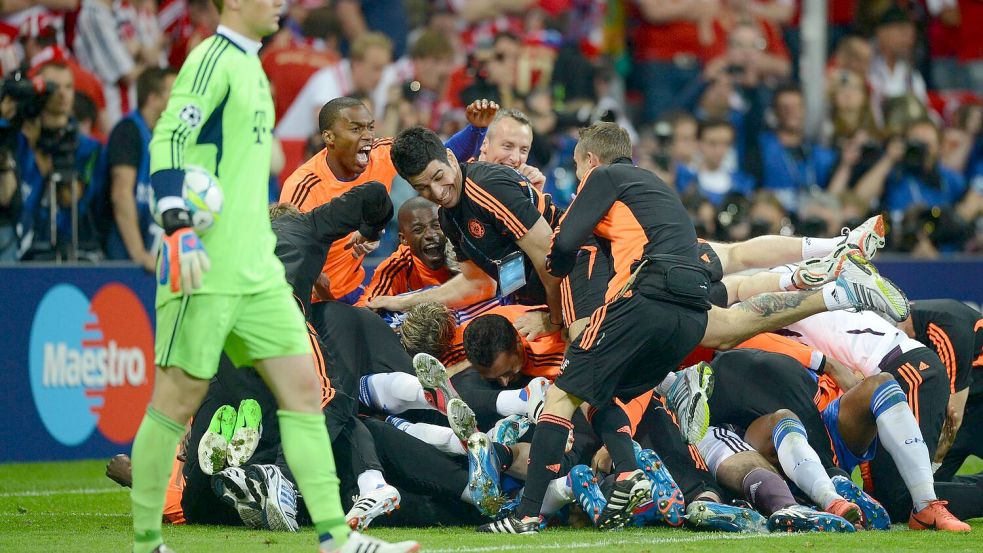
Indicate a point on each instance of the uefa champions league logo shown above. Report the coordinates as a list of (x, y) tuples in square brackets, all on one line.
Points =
[(91, 363)]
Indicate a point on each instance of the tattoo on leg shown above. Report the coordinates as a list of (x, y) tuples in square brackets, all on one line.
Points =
[(770, 303)]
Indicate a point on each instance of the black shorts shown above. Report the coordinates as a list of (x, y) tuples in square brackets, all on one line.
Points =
[(628, 347), (750, 383), (583, 290), (718, 292)]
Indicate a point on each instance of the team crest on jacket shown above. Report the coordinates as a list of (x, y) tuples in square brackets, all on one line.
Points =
[(475, 228)]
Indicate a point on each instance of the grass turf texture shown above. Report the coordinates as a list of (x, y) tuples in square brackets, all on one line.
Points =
[(74, 507)]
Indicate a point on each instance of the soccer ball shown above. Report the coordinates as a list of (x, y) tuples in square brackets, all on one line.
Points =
[(202, 197)]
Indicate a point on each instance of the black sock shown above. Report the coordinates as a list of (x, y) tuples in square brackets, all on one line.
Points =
[(545, 461), (767, 491), (613, 427), (504, 454)]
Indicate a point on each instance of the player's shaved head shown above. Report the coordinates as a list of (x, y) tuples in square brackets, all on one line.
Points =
[(409, 206), (332, 110), (508, 113)]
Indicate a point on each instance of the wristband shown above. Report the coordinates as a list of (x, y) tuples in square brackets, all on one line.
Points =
[(174, 220)]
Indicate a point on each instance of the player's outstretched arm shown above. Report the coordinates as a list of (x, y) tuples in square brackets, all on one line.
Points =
[(469, 287)]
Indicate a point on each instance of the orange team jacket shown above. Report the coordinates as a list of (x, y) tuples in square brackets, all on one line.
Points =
[(827, 390), (402, 272), (173, 512), (313, 185), (543, 355)]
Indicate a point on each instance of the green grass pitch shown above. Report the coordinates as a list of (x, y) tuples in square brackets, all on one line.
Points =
[(73, 507)]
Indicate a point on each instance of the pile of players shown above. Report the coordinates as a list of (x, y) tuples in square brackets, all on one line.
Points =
[(599, 366)]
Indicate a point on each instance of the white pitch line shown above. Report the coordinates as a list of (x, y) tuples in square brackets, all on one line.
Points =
[(53, 514), (636, 540), (76, 491)]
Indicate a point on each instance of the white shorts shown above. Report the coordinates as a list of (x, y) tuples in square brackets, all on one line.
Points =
[(720, 444)]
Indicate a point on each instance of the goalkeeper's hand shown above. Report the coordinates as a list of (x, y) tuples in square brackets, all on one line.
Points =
[(183, 259)]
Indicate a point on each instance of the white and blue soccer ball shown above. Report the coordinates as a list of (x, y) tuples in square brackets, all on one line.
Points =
[(202, 197)]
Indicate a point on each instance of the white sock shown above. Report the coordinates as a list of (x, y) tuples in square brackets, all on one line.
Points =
[(801, 463), (818, 247), (787, 282), (392, 393), (835, 297), (898, 430), (557, 495), (441, 437), (370, 480), (511, 402)]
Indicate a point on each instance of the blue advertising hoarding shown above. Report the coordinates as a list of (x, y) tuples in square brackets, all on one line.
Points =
[(76, 370)]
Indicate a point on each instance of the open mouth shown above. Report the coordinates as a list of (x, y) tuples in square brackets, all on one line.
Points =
[(362, 156), (433, 250)]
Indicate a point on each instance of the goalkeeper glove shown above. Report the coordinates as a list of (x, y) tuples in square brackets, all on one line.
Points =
[(183, 257)]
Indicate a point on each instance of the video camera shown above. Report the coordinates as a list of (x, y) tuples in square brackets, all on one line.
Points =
[(28, 97)]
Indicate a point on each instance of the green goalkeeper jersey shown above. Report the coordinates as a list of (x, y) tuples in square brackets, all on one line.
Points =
[(220, 117)]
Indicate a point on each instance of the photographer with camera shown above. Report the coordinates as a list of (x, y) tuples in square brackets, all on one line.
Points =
[(909, 173), (57, 195)]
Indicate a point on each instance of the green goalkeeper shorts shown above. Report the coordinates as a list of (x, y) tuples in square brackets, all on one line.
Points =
[(192, 331)]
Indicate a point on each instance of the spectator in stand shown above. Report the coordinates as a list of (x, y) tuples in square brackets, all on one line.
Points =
[(751, 44), (497, 78), (198, 23), (64, 160), (424, 79), (767, 215), (670, 39), (103, 49), (971, 43), (147, 42), (290, 63), (893, 73), (361, 73), (942, 34), (484, 19), (909, 174), (39, 37), (712, 179), (384, 16), (853, 53), (791, 163), (736, 86), (850, 110), (670, 152), (134, 235)]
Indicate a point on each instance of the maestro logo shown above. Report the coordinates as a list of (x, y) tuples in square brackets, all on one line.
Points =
[(91, 363)]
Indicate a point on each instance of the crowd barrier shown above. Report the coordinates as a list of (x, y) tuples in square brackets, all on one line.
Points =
[(76, 370)]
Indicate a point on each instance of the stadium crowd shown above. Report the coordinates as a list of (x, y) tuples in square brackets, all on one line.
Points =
[(616, 290), (708, 90)]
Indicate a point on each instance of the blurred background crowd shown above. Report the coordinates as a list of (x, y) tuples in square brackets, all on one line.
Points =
[(768, 116)]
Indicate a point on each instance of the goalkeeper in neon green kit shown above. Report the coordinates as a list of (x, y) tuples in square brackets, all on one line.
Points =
[(226, 290)]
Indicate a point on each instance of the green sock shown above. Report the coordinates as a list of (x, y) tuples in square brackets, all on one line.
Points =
[(152, 459), (308, 452)]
